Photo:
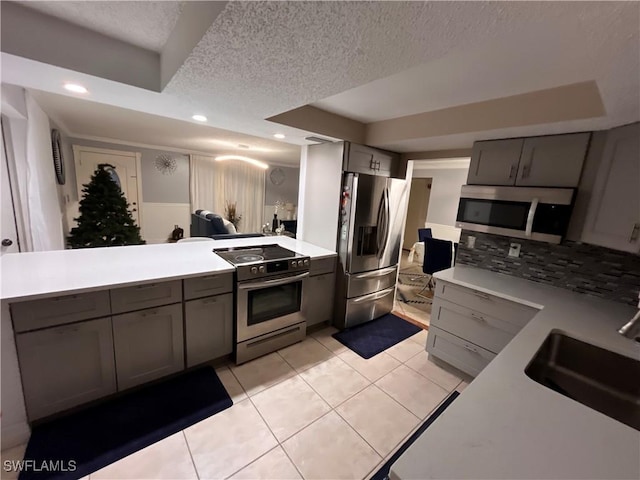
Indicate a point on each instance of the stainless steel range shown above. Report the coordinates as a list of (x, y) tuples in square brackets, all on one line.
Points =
[(269, 290)]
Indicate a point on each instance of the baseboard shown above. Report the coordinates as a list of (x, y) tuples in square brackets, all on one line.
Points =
[(15, 435)]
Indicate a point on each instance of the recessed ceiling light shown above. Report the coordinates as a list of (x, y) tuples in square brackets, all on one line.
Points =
[(279, 135), (199, 118), (252, 161), (75, 88)]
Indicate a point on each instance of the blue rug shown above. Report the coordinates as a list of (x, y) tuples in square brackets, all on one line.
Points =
[(371, 338), (383, 472), (100, 435)]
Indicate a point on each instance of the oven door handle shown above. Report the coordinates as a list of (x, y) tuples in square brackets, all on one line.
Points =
[(272, 283), (531, 216)]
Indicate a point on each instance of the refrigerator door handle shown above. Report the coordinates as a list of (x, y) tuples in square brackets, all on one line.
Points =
[(385, 222), (380, 222)]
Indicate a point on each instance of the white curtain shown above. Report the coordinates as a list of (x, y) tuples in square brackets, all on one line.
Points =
[(213, 184)]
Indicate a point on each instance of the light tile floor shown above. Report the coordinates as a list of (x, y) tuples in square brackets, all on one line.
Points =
[(312, 410)]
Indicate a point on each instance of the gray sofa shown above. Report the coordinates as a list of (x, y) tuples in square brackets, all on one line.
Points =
[(207, 224)]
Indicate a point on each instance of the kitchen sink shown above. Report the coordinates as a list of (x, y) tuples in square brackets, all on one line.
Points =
[(600, 379)]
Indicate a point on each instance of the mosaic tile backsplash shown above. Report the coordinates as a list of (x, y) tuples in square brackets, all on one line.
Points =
[(589, 269)]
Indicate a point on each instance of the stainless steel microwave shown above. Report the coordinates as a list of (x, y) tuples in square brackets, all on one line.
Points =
[(541, 214)]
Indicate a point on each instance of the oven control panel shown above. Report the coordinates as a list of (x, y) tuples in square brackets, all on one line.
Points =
[(302, 263), (273, 268)]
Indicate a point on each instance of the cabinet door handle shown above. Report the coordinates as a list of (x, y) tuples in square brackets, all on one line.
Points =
[(65, 298), (209, 301), (483, 296), (63, 330), (149, 313), (634, 232), (480, 318), (470, 348), (146, 287), (512, 170)]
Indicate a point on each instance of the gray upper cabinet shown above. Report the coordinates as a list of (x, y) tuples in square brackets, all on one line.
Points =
[(148, 344), (613, 215), (549, 161), (552, 161), (495, 162), (208, 328), (66, 366), (363, 159)]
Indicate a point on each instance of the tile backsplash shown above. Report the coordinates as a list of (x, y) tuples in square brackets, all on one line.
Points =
[(589, 269)]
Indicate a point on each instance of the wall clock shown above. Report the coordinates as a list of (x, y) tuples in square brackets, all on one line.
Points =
[(166, 164), (58, 160), (277, 176)]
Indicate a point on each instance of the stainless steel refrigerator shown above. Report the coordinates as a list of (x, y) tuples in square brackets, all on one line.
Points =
[(369, 232)]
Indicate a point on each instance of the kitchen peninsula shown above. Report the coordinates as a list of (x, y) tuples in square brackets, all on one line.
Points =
[(171, 303)]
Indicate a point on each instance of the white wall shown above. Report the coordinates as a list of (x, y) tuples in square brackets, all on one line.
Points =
[(319, 196), (448, 177)]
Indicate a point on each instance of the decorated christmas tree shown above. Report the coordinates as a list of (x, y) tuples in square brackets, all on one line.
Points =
[(104, 220)]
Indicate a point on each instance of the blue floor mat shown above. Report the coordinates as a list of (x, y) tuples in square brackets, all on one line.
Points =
[(102, 434), (371, 338)]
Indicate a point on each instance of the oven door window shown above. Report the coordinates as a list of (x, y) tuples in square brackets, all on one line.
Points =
[(265, 304), (494, 213)]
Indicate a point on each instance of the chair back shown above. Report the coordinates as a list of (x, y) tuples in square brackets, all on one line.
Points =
[(424, 233), (437, 255)]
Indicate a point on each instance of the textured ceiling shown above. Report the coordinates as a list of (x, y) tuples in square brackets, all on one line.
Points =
[(380, 60), (146, 24), (81, 118), (602, 44)]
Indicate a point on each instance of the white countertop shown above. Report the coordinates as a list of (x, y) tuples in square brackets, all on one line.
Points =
[(26, 276), (505, 425)]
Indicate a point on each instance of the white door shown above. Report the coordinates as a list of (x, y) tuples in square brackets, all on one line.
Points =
[(125, 172), (9, 232)]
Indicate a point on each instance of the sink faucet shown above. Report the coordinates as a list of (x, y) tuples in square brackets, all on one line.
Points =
[(631, 329)]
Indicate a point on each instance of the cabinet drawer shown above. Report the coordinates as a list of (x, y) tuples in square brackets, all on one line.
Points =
[(50, 312), (322, 265), (208, 285), (461, 354), (144, 296), (505, 310), (481, 329)]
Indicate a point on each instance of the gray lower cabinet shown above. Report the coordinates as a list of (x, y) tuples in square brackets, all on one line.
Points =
[(208, 328), (148, 344), (318, 298), (66, 366)]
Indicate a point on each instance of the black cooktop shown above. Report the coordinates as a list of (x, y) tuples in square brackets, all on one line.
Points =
[(262, 253)]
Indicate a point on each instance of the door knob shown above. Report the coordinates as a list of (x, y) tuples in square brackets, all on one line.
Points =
[(7, 242)]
